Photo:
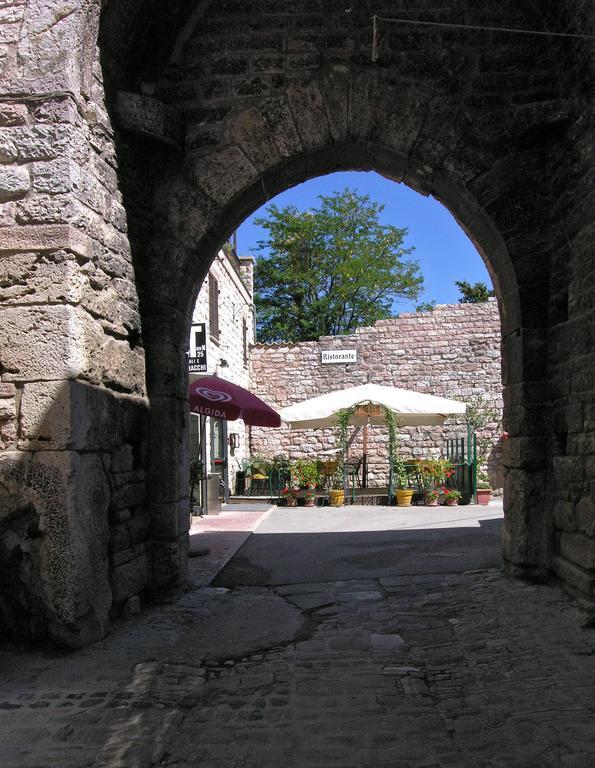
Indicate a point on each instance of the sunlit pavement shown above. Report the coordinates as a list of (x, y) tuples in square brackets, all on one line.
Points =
[(396, 663)]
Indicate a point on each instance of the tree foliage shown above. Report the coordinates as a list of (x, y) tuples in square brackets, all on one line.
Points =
[(426, 306), (473, 294), (329, 270)]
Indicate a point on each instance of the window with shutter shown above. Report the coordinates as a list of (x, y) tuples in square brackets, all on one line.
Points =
[(245, 340), (213, 308)]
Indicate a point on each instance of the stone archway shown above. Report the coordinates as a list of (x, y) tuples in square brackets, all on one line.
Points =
[(114, 214)]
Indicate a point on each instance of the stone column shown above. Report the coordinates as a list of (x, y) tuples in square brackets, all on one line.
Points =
[(72, 413)]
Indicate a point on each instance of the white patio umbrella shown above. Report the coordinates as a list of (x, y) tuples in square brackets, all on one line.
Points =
[(413, 409)]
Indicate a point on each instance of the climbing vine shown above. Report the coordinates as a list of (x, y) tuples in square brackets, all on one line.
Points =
[(391, 424), (390, 419)]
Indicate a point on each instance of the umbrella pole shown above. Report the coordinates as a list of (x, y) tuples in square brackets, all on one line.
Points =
[(365, 457)]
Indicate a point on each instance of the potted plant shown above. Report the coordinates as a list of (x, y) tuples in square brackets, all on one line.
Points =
[(337, 491), (431, 497), (290, 495), (451, 497), (306, 473), (484, 489), (196, 479), (404, 493), (434, 473), (310, 497)]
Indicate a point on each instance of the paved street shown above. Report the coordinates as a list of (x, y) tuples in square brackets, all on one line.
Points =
[(347, 642)]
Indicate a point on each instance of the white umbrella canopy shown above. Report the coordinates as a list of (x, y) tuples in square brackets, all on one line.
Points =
[(413, 409)]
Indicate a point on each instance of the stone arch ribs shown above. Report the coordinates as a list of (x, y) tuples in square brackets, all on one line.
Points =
[(268, 108)]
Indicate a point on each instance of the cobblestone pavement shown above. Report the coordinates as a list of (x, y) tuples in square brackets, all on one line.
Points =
[(466, 669)]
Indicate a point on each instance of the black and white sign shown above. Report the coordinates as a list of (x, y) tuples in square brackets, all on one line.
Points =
[(339, 356), (197, 358)]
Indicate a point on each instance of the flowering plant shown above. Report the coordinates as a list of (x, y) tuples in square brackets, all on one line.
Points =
[(305, 473), (451, 493), (435, 471), (289, 491), (432, 494)]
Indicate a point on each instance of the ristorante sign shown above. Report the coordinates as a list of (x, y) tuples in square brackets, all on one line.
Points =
[(338, 356)]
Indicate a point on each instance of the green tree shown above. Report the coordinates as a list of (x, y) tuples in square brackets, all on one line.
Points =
[(473, 294), (329, 270), (426, 306)]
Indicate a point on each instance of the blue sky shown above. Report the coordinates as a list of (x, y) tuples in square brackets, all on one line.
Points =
[(443, 250)]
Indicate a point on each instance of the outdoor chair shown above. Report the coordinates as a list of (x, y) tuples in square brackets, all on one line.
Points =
[(280, 475), (260, 478), (353, 469)]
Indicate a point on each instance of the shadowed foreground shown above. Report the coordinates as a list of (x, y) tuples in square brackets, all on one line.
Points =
[(411, 670)]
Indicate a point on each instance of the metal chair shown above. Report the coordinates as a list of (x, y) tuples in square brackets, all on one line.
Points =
[(260, 478), (353, 469)]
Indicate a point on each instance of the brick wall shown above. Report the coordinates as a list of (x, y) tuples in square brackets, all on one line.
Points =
[(453, 352)]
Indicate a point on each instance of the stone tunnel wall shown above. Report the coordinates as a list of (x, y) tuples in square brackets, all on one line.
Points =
[(110, 219), (453, 352), (73, 413)]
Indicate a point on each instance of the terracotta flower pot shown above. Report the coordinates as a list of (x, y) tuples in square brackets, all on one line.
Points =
[(291, 501), (452, 502), (404, 496), (483, 495), (431, 502), (309, 502)]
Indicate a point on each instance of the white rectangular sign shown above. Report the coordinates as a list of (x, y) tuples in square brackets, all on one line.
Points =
[(339, 356)]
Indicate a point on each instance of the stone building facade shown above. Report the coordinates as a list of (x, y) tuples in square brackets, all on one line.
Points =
[(453, 352), (225, 306), (136, 136)]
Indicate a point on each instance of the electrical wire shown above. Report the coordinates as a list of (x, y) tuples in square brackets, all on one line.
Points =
[(475, 27)]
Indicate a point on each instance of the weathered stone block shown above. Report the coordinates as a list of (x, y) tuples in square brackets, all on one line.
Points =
[(33, 278), (585, 516), (68, 415), (170, 519), (307, 107), (13, 114), (14, 182), (574, 576), (169, 448), (250, 131), (71, 496), (8, 151), (130, 495), (280, 119), (123, 459), (223, 173), (123, 367), (129, 578), (7, 407), (524, 452), (578, 549), (169, 564), (67, 343)]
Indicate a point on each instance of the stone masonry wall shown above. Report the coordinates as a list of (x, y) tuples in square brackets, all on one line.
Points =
[(72, 368), (453, 352)]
